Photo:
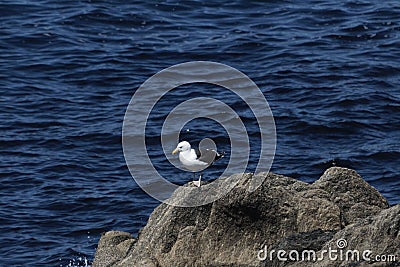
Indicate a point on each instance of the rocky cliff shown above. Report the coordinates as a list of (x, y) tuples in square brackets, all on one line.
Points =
[(305, 222)]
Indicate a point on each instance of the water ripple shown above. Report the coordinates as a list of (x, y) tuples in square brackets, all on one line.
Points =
[(329, 70)]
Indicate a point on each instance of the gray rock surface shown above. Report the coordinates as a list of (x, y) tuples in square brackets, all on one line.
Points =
[(112, 248), (379, 233), (283, 213)]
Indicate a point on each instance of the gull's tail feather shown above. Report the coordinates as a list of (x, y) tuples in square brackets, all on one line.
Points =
[(219, 155)]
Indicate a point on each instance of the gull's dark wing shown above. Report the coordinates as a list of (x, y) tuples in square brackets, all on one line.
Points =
[(208, 155), (198, 153)]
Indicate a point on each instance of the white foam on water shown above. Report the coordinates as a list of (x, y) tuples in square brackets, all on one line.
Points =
[(78, 262)]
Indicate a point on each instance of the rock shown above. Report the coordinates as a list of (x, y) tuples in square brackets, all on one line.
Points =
[(355, 197), (112, 248), (379, 234), (283, 213), (313, 240)]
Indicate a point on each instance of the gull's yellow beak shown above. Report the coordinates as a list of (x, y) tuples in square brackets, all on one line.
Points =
[(175, 151)]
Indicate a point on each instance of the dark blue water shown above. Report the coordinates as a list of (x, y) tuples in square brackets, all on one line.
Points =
[(330, 71)]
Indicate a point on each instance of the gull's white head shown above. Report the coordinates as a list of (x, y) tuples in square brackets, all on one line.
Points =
[(181, 147)]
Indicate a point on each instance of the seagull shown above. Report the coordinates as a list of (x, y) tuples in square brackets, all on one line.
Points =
[(196, 160)]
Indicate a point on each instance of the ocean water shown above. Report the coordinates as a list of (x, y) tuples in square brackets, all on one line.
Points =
[(330, 71)]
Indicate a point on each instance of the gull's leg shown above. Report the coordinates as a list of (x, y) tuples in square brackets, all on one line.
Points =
[(196, 183), (201, 175)]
